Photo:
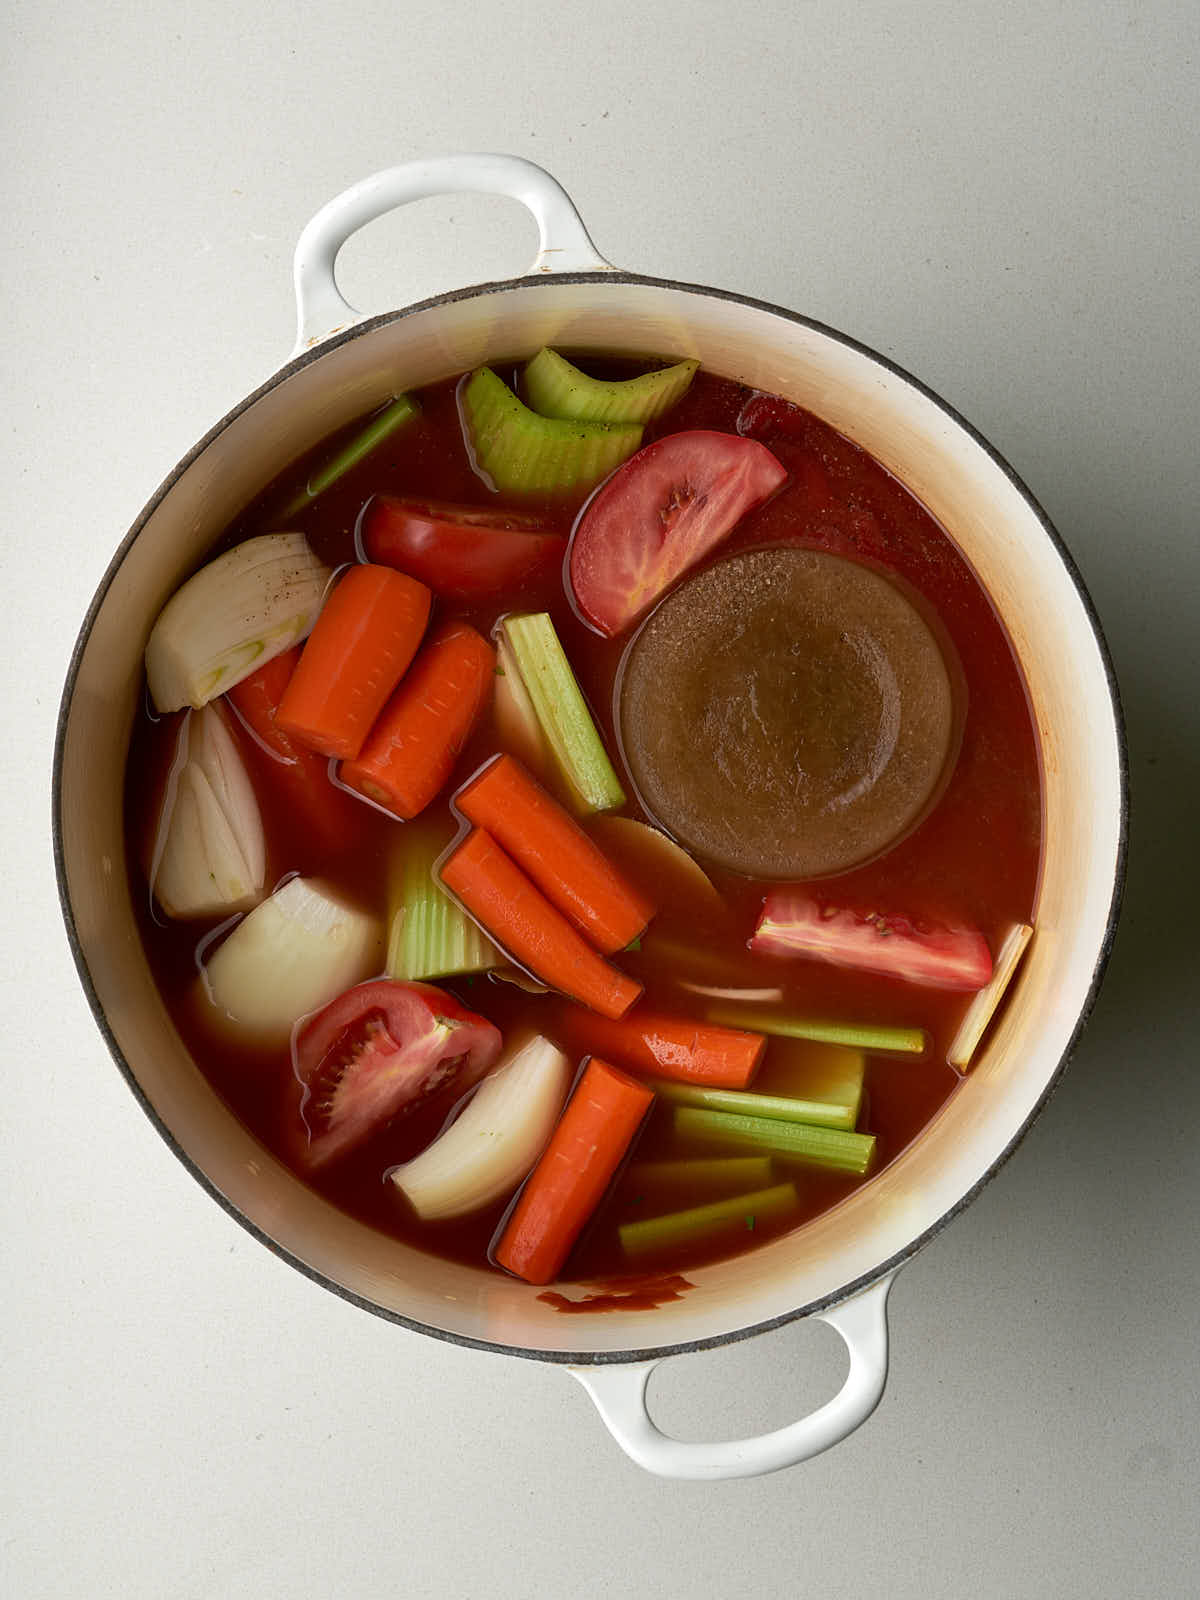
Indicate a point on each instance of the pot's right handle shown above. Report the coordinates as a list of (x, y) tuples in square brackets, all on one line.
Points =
[(563, 242), (619, 1393)]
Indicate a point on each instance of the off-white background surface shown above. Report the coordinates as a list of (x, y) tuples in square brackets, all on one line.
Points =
[(1001, 198)]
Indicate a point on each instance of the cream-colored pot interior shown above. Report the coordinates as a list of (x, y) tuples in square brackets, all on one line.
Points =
[(966, 489)]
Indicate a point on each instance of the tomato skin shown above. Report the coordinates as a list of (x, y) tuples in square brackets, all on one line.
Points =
[(461, 552), (660, 513), (891, 944), (380, 1049)]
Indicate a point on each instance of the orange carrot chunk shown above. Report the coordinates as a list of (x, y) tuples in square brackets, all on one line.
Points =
[(577, 1166), (669, 1047), (300, 777), (544, 839), (520, 919), (411, 750), (366, 635)]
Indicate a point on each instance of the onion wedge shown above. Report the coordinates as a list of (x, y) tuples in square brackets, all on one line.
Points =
[(210, 851), (248, 605), (650, 857), (293, 954), (748, 997), (486, 1152)]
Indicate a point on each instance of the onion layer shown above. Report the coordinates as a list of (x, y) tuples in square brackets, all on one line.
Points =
[(494, 1143), (293, 954), (210, 850)]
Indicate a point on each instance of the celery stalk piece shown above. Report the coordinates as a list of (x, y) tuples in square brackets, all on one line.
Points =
[(556, 388), (493, 1144), (714, 1172), (520, 452), (236, 613), (562, 712), (429, 936), (740, 1212), (983, 1007), (777, 1107), (514, 719), (384, 423), (799, 1141), (291, 955), (861, 1035)]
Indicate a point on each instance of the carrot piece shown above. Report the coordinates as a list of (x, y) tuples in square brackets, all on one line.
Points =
[(678, 1048), (544, 839), (523, 922), (576, 1167), (360, 647), (299, 776), (411, 750), (259, 702)]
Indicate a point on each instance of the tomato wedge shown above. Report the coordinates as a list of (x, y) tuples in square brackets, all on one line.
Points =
[(658, 515), (895, 945), (459, 551), (379, 1050)]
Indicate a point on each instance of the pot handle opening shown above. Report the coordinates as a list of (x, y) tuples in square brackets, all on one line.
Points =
[(563, 242), (619, 1394)]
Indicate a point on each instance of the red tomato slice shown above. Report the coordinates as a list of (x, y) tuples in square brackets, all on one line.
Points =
[(658, 515), (459, 551), (897, 946), (378, 1050)]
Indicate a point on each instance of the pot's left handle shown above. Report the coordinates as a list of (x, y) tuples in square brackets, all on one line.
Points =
[(619, 1395), (563, 242)]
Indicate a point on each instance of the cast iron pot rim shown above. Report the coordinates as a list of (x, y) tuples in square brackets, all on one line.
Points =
[(597, 280)]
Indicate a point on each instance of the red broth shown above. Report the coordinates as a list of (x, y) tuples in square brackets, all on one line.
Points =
[(974, 858)]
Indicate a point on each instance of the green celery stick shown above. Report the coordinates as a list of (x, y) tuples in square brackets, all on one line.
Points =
[(523, 453), (779, 1108), (724, 1172), (556, 388), (428, 935), (393, 416), (822, 1147), (862, 1035), (740, 1211), (562, 712)]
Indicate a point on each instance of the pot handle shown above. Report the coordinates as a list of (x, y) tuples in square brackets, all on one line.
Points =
[(619, 1394), (563, 242)]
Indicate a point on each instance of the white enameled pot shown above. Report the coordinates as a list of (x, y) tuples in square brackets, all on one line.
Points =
[(840, 1266)]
